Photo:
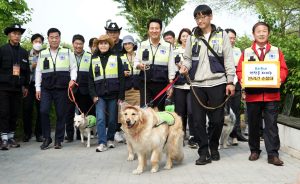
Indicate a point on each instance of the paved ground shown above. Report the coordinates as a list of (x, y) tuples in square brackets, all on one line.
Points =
[(75, 164)]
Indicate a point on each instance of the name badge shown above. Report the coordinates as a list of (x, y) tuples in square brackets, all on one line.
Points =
[(16, 70)]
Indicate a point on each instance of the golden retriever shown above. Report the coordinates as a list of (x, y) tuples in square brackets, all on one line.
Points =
[(146, 139)]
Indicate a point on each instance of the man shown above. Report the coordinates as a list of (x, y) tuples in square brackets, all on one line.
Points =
[(263, 103), (212, 72), (82, 97), (14, 79), (113, 31), (37, 41), (56, 71), (91, 45), (153, 59), (169, 36), (235, 101)]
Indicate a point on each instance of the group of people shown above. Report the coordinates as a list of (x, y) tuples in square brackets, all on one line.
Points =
[(203, 69)]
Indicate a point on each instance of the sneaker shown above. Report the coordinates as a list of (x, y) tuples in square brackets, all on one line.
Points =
[(46, 143), (191, 142), (101, 148), (119, 137), (111, 144), (235, 141), (4, 145), (13, 144)]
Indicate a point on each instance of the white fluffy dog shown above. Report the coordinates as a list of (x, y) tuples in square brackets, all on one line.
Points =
[(229, 120), (85, 124)]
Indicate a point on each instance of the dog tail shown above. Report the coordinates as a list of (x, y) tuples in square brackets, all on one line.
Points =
[(175, 140)]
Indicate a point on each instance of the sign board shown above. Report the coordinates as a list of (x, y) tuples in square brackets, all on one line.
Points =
[(258, 74)]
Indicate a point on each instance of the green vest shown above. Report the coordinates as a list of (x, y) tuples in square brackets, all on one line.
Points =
[(85, 62), (83, 67), (110, 71), (62, 62), (132, 70)]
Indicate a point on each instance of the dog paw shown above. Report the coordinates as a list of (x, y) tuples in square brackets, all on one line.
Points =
[(154, 170), (167, 167), (88, 146), (137, 171), (130, 158)]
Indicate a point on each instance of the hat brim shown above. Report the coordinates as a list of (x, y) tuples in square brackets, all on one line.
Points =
[(11, 29), (109, 40), (107, 29)]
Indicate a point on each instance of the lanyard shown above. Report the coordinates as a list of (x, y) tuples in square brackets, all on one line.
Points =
[(130, 63), (13, 55), (153, 55), (54, 61), (78, 61)]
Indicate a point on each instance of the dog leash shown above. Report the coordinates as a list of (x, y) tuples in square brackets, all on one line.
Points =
[(72, 99), (198, 99)]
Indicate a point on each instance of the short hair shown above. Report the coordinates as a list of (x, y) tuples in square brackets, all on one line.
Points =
[(91, 42), (261, 24), (169, 33), (155, 20), (37, 35), (230, 30), (78, 37), (53, 30), (203, 10), (182, 31)]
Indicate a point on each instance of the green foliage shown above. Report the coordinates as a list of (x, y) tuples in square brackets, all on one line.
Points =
[(243, 42), (12, 11), (138, 12)]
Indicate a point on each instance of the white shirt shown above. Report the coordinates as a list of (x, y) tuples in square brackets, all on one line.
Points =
[(73, 69), (258, 49)]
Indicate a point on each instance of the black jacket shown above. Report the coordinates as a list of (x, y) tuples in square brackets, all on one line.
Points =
[(9, 56), (104, 58)]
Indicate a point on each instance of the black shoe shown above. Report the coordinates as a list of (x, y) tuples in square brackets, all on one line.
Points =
[(192, 144), (46, 143), (241, 138), (26, 138), (12, 143), (215, 155), (4, 145), (39, 139), (69, 139), (203, 160), (57, 145)]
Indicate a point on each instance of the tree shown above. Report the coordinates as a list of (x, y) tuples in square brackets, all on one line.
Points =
[(138, 12), (12, 11)]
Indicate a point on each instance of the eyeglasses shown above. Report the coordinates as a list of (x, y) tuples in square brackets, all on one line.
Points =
[(200, 17)]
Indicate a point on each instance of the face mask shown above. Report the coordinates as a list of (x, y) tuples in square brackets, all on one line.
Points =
[(37, 46)]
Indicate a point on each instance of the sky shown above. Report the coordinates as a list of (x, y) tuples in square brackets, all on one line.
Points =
[(88, 18)]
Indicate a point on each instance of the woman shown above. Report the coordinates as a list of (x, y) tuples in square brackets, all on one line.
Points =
[(106, 87), (132, 93), (182, 96)]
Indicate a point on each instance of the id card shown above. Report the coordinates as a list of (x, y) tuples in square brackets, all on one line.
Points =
[(16, 70)]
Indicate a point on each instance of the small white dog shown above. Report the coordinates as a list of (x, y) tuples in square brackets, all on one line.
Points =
[(85, 124), (229, 120)]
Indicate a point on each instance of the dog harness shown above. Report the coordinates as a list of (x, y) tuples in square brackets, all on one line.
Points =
[(165, 117), (91, 121)]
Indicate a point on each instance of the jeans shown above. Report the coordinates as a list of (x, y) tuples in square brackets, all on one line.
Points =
[(103, 107)]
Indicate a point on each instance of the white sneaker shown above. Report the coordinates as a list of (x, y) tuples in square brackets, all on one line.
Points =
[(119, 137), (101, 148), (111, 144), (235, 142)]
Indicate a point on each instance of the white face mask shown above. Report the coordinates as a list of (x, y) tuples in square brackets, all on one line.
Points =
[(37, 46)]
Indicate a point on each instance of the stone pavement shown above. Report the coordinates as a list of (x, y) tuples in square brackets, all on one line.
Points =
[(75, 164)]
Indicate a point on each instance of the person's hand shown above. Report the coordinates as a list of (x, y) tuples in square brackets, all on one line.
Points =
[(183, 70), (38, 95), (120, 101), (127, 73), (230, 89), (72, 84), (24, 91), (141, 66), (243, 95), (95, 99), (33, 65), (169, 92)]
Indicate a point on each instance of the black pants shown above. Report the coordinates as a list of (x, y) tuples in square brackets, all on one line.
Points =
[(153, 88), (208, 138), (60, 99), (269, 112), (28, 103), (234, 103), (182, 99), (10, 103), (84, 103)]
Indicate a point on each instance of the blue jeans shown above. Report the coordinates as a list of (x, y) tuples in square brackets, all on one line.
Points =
[(106, 108)]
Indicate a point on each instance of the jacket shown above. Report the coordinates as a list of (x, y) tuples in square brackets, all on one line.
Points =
[(263, 94), (10, 55)]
